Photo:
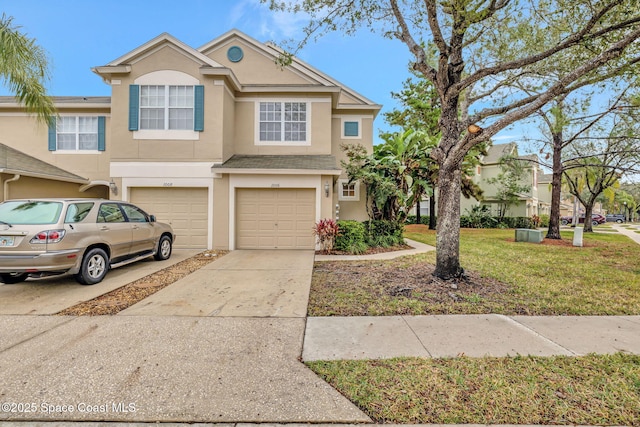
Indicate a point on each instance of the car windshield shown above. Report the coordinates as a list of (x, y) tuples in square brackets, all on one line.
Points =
[(30, 212)]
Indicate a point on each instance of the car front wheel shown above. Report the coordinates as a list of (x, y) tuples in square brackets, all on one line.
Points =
[(564, 222), (619, 221), (11, 278), (164, 249), (95, 265)]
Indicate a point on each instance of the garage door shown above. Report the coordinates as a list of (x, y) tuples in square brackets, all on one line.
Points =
[(275, 218), (184, 208)]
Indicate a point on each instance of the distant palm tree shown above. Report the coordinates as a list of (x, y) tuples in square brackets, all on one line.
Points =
[(23, 68)]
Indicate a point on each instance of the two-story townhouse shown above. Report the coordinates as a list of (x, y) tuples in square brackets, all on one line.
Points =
[(66, 160), (528, 203), (231, 149)]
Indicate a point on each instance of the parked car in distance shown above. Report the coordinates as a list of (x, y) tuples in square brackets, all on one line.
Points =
[(84, 237), (595, 219), (619, 218)]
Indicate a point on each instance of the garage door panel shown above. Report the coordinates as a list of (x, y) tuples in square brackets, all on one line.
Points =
[(275, 218), (186, 209)]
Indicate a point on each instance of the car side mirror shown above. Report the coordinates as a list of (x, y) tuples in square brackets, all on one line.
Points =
[(152, 218)]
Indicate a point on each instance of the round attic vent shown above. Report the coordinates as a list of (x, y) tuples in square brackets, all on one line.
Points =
[(235, 54)]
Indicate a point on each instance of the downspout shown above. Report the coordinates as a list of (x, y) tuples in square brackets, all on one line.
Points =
[(6, 185)]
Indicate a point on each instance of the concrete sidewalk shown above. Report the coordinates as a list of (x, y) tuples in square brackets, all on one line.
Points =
[(629, 230), (332, 338)]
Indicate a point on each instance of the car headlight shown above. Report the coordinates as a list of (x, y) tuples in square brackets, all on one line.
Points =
[(48, 236)]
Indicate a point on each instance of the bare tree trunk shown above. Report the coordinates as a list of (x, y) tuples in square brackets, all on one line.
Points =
[(588, 209), (418, 219), (448, 228), (432, 211), (556, 186)]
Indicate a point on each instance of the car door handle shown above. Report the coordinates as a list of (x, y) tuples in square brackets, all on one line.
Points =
[(104, 228)]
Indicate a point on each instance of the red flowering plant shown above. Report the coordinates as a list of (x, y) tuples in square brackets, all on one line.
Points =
[(326, 231)]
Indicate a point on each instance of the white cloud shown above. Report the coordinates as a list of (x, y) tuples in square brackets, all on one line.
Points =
[(269, 25)]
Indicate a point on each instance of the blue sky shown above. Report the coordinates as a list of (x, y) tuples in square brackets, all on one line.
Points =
[(80, 34)]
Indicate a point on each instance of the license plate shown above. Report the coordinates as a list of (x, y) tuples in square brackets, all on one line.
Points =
[(6, 241)]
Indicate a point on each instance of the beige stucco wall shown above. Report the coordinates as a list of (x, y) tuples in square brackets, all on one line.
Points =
[(246, 122), (30, 187), (23, 133), (255, 68), (207, 146), (221, 213)]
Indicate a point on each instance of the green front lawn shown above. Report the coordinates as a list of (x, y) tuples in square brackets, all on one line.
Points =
[(590, 390), (506, 277), (553, 278)]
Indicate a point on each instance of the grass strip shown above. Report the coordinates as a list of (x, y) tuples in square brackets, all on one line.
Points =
[(589, 390)]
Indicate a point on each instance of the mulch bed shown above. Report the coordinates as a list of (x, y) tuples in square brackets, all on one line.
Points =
[(369, 251)]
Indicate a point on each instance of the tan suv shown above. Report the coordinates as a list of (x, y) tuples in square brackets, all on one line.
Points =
[(84, 237)]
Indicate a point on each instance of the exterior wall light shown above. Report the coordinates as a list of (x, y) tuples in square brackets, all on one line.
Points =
[(326, 188)]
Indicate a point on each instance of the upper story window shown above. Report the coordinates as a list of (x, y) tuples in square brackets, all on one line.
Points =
[(351, 129), (166, 104), (77, 133), (283, 122), (166, 107)]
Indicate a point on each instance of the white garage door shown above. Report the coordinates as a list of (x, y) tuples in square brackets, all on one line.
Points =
[(275, 218), (184, 208)]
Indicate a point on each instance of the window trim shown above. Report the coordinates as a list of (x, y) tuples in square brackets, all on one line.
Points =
[(343, 129), (166, 78), (282, 142), (356, 187), (101, 132)]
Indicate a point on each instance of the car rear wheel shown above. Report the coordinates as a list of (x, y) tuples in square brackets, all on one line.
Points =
[(164, 249), (619, 221), (564, 222), (11, 278), (95, 265), (594, 222)]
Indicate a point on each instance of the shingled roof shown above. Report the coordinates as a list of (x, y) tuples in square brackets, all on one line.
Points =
[(16, 162), (247, 163)]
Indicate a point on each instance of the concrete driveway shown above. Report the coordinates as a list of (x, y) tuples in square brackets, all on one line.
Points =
[(53, 294), (243, 283)]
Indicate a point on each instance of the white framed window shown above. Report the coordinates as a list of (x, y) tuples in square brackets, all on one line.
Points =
[(282, 123), (348, 191), (351, 128), (80, 134), (166, 107)]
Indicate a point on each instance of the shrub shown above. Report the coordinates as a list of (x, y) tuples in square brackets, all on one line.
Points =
[(351, 237), (517, 222), (383, 233), (326, 230), (411, 219), (544, 220), (478, 217)]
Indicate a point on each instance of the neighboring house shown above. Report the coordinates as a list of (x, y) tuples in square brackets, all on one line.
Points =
[(231, 149), (528, 203)]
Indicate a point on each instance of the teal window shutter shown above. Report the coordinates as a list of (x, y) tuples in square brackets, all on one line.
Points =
[(101, 133), (52, 135), (134, 106), (351, 129), (198, 120)]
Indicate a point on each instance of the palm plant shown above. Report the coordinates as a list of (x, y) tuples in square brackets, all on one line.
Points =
[(23, 67)]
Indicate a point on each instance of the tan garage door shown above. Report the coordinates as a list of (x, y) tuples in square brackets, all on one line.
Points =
[(275, 218), (184, 208)]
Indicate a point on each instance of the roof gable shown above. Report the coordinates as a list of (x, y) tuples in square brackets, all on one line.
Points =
[(161, 41), (304, 72)]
